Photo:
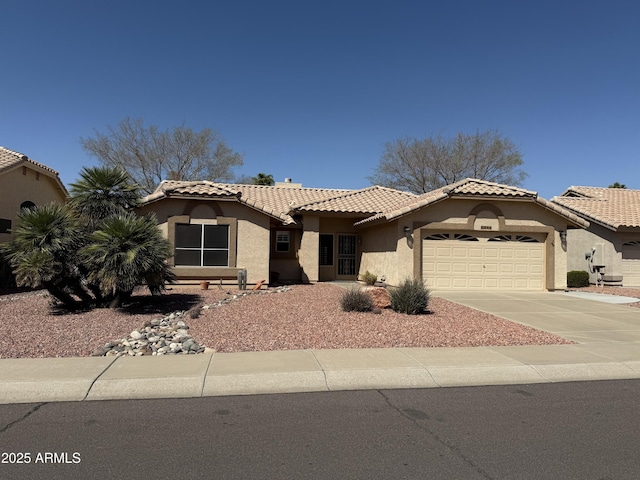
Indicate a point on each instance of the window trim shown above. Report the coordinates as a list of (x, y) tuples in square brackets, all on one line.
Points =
[(202, 249), (233, 235)]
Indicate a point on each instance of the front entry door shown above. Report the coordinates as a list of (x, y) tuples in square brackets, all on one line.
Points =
[(346, 255)]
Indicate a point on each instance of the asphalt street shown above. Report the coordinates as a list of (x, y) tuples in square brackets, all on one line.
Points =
[(580, 430)]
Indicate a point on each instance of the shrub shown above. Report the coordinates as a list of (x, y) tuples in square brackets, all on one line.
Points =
[(369, 278), (411, 297), (92, 251), (577, 279), (356, 300)]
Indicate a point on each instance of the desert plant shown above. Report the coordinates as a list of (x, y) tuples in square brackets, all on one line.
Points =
[(44, 252), (369, 278), (411, 297), (93, 250), (103, 192), (577, 279), (128, 250), (356, 300)]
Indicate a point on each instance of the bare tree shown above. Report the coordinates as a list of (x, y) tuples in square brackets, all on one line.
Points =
[(422, 165), (151, 155)]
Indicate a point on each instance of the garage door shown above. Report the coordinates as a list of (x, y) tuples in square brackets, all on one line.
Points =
[(471, 261), (631, 264)]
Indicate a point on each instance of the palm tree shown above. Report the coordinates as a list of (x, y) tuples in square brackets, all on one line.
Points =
[(127, 251), (44, 252), (262, 179), (94, 248), (102, 192)]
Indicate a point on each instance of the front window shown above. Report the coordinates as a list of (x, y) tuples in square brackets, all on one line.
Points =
[(326, 249), (282, 241), (202, 245), (5, 225)]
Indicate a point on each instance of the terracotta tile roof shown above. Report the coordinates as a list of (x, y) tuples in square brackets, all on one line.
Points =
[(470, 187), (367, 201), (276, 201), (611, 207), (10, 159), (376, 203)]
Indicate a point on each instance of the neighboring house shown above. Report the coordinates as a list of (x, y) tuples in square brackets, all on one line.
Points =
[(24, 183), (610, 248), (469, 235)]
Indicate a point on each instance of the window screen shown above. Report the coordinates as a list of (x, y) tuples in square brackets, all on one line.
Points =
[(202, 245)]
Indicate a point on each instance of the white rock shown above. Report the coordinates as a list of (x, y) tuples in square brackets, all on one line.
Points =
[(136, 335)]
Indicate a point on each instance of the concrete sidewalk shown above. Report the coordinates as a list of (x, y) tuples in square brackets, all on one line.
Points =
[(607, 336)]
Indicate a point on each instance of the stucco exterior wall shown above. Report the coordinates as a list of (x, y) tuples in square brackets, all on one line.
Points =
[(251, 241), (285, 266), (608, 250), (309, 248), (17, 188), (387, 251)]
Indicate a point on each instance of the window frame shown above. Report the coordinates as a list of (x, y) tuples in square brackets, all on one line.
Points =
[(279, 242), (202, 249)]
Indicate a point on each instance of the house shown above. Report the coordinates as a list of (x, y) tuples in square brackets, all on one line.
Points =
[(609, 249), (472, 234), (24, 183)]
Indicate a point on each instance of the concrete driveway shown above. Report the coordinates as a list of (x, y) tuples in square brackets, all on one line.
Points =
[(581, 319)]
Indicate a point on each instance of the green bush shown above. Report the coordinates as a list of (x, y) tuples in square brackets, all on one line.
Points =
[(411, 297), (577, 279), (356, 300), (369, 278)]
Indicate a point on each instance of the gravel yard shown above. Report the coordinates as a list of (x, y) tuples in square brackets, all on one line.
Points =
[(306, 317)]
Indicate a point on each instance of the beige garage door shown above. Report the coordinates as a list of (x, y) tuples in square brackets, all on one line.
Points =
[(631, 264), (470, 261)]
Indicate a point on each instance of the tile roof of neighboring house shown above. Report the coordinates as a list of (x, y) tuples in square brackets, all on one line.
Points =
[(10, 159), (612, 207), (474, 188)]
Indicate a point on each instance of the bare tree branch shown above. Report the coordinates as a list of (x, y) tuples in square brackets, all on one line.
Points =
[(420, 166), (151, 155)]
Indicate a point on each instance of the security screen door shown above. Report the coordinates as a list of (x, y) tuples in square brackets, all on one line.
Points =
[(346, 255)]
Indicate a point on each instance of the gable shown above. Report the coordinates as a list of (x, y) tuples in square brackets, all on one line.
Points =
[(476, 190), (11, 161)]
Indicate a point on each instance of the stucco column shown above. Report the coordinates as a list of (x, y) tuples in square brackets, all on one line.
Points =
[(309, 253)]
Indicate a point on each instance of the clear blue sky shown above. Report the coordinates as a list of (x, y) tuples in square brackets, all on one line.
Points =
[(313, 90)]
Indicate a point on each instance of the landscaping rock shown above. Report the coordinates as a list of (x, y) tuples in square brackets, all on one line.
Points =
[(169, 334), (380, 296), (161, 336)]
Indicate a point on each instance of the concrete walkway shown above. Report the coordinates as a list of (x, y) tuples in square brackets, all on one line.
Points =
[(607, 336)]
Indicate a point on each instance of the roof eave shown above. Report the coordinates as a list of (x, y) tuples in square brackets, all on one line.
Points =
[(577, 220)]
